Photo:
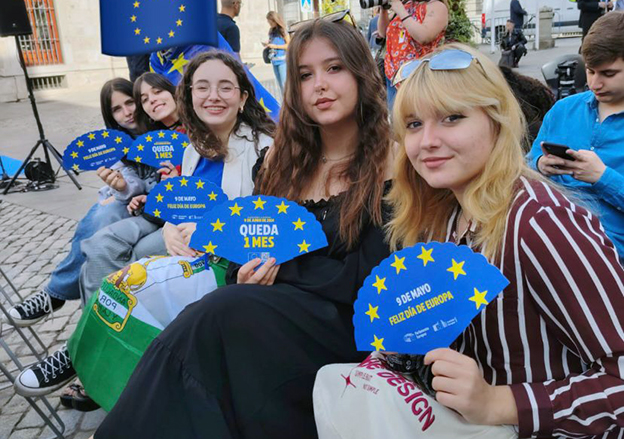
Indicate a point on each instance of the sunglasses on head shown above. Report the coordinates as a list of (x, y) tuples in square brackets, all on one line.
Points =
[(334, 17), (451, 59)]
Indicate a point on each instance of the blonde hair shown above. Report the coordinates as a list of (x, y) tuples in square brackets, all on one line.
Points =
[(421, 213)]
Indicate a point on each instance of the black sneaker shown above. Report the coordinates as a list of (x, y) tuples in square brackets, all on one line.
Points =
[(35, 308), (48, 375)]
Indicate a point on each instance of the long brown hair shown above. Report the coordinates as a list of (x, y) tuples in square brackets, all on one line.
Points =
[(204, 140), (280, 26), (121, 85), (296, 152), (143, 121)]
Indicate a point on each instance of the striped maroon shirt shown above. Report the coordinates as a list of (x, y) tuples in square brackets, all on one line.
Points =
[(555, 335)]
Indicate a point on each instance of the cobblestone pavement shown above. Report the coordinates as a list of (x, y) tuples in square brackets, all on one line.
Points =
[(32, 243)]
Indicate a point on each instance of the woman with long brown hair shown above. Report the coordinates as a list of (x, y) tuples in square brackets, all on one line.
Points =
[(278, 42), (241, 362)]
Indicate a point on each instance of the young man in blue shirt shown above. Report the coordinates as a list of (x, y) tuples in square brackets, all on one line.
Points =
[(591, 125)]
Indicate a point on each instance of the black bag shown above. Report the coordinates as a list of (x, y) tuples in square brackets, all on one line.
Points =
[(267, 55), (39, 172), (507, 59)]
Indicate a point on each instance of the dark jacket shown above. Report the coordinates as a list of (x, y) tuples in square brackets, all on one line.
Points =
[(516, 13), (511, 41), (590, 12)]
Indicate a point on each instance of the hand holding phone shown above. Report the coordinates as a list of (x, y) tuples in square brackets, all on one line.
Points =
[(558, 150)]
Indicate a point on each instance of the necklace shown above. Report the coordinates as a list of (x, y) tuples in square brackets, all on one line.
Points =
[(459, 236), (326, 159)]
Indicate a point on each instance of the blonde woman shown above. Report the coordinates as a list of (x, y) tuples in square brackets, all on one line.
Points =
[(544, 357)]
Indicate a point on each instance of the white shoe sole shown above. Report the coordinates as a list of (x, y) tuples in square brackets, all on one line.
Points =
[(20, 323), (22, 390)]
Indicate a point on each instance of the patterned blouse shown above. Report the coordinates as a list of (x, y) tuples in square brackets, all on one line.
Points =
[(401, 47)]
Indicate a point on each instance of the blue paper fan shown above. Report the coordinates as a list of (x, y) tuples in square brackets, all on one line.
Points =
[(94, 149), (183, 199), (259, 227), (423, 297), (160, 146)]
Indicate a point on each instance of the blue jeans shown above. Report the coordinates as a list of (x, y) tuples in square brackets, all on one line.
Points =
[(280, 75), (392, 91), (64, 281)]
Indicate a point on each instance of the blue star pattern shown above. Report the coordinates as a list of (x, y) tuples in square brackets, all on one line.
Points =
[(183, 199), (259, 226), (159, 146), (94, 149), (423, 297), (132, 27)]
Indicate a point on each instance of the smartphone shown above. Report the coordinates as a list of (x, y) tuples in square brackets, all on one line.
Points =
[(558, 150)]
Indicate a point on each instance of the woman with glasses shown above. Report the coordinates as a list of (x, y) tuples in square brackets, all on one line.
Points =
[(542, 359), (416, 29), (240, 363)]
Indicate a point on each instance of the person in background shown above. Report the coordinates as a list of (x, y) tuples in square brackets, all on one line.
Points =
[(415, 31), (371, 33), (513, 43), (227, 26), (516, 14), (591, 125), (278, 41), (137, 65), (591, 10)]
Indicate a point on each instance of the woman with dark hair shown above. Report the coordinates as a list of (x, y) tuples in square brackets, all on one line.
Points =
[(123, 181), (241, 361), (158, 109), (278, 43)]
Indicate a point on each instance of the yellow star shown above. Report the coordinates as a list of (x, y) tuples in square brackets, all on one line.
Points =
[(213, 197), (199, 184), (171, 34), (282, 208), (169, 186), (457, 269), (133, 18), (304, 247), (148, 138), (126, 150), (161, 134), (179, 63), (174, 136), (259, 204), (136, 4), (137, 31), (183, 182), (217, 225), (80, 143), (380, 284), (157, 213), (74, 155), (158, 40), (399, 264), (138, 159), (118, 140), (185, 144), (236, 209), (75, 167), (425, 255), (105, 134), (159, 198), (299, 224), (178, 22), (140, 147), (378, 344), (372, 312), (146, 40), (479, 298), (182, 8), (210, 248), (264, 106), (91, 136)]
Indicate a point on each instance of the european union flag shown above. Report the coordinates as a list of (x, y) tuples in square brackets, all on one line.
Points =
[(132, 27)]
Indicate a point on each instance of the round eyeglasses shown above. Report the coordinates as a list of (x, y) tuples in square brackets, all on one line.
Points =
[(202, 90)]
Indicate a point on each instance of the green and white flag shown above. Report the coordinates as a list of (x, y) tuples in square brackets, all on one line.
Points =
[(129, 310)]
